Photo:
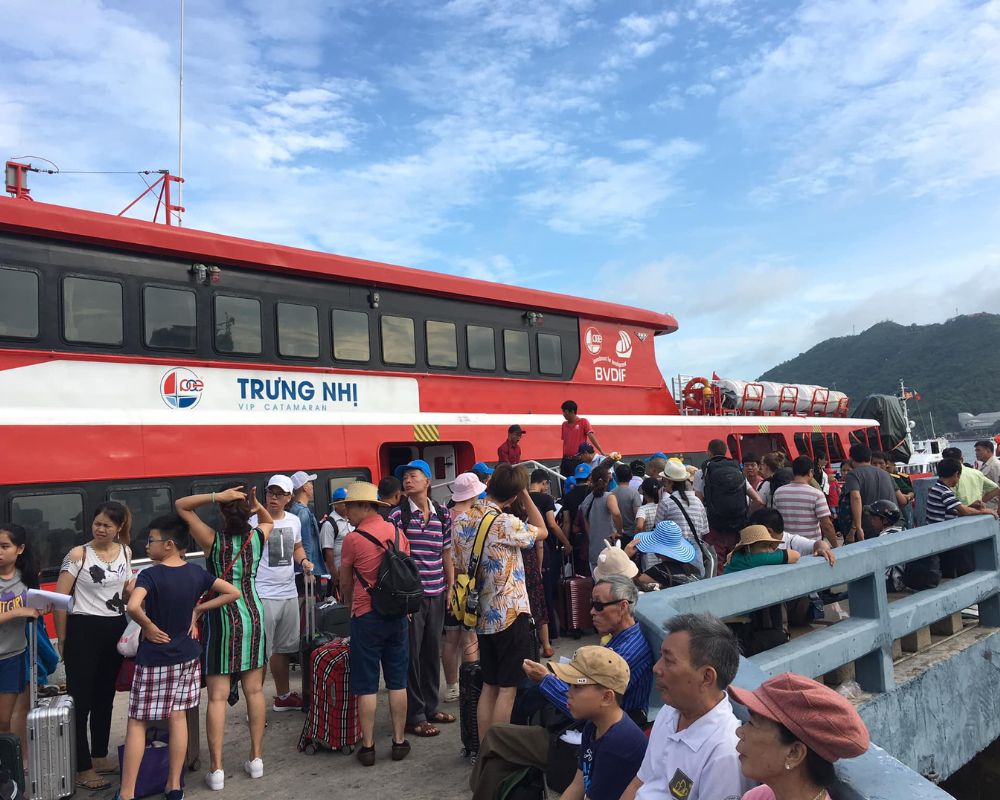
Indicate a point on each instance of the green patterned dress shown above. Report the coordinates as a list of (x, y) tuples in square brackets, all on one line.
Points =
[(233, 636)]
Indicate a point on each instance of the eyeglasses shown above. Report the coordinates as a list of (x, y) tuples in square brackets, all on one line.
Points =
[(154, 541), (278, 493), (598, 606)]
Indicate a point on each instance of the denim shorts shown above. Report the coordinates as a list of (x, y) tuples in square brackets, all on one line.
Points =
[(378, 641), (13, 675)]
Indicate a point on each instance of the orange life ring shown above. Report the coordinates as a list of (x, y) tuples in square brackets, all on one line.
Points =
[(694, 393)]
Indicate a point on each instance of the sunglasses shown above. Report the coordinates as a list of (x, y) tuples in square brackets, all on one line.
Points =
[(598, 606)]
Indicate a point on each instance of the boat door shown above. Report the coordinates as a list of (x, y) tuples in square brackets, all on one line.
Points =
[(441, 458)]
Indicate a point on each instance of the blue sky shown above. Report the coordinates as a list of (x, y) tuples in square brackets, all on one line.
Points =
[(771, 173)]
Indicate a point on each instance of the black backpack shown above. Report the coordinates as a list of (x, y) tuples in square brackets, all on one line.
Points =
[(725, 494), (782, 477), (398, 589)]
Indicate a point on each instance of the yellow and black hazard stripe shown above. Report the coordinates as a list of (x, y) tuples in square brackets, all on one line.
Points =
[(762, 429), (426, 433)]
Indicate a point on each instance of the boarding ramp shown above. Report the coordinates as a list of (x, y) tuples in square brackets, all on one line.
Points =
[(927, 673)]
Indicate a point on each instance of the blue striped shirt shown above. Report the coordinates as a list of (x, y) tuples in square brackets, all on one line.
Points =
[(631, 645), (427, 543)]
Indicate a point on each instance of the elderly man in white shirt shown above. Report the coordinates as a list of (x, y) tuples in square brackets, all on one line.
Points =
[(692, 747)]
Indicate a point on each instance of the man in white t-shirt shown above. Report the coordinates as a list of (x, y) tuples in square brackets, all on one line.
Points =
[(276, 587), (692, 747)]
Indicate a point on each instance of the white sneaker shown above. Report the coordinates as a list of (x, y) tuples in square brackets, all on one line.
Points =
[(216, 780), (255, 768)]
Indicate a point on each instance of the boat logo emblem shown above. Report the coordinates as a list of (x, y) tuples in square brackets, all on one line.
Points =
[(593, 340), (624, 347), (181, 388)]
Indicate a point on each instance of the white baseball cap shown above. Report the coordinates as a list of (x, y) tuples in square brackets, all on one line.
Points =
[(283, 482), (300, 479)]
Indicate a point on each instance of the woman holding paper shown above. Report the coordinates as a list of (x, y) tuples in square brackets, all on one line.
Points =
[(98, 576), (18, 573)]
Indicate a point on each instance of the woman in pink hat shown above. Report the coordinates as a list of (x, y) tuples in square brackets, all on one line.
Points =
[(797, 729)]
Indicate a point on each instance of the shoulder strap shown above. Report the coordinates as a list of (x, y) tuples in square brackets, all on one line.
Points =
[(687, 518), (232, 564), (440, 512), (405, 514), (480, 543), (364, 584)]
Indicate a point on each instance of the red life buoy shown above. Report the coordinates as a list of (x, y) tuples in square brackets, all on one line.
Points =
[(694, 394)]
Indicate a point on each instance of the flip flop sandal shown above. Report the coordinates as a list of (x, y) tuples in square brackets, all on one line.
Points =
[(93, 784), (424, 730)]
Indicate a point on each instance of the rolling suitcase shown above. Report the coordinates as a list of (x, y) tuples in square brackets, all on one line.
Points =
[(574, 605), (312, 639), (51, 740), (470, 686), (332, 721)]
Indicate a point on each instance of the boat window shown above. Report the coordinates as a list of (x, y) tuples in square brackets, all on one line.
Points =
[(18, 303), (92, 311), (209, 513), (515, 351), (481, 346), (442, 346), (237, 325), (350, 335), (146, 503), (342, 478), (169, 318), (549, 354), (397, 341), (54, 523), (298, 331)]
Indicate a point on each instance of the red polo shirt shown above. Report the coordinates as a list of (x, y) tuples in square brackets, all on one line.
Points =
[(509, 453), (573, 435)]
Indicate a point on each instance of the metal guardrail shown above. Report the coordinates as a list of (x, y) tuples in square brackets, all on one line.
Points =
[(866, 637), (533, 464)]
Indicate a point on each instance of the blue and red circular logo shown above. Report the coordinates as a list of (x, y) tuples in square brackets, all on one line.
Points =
[(181, 388)]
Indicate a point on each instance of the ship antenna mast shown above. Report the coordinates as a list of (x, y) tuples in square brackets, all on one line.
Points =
[(180, 117)]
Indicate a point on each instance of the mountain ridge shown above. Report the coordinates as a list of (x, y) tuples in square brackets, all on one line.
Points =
[(953, 365)]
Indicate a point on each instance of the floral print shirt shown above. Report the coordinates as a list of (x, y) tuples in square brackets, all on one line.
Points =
[(503, 595)]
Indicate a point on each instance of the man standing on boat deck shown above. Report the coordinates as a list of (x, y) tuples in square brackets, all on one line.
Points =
[(510, 451), (427, 527), (576, 431)]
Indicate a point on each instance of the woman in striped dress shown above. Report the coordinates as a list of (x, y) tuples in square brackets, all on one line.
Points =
[(232, 636)]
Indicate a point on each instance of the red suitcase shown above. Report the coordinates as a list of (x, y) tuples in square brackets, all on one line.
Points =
[(332, 720), (574, 605)]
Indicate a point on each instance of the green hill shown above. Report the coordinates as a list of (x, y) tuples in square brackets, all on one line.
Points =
[(954, 366)]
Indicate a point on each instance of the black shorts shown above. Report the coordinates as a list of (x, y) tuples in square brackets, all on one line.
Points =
[(501, 655)]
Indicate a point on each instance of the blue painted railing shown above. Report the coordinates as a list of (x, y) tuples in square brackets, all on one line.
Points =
[(866, 637)]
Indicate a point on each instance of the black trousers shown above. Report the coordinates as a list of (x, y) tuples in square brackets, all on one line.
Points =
[(92, 663)]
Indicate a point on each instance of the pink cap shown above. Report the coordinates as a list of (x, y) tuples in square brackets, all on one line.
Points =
[(466, 486)]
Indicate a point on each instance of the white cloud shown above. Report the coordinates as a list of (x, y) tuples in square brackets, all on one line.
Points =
[(700, 90), (601, 192), (899, 96)]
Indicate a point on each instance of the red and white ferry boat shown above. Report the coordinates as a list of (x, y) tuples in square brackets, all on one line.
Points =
[(141, 362)]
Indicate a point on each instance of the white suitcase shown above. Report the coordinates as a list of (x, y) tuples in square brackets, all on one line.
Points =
[(51, 740)]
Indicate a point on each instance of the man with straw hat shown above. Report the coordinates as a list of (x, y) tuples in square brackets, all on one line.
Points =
[(612, 745), (376, 641)]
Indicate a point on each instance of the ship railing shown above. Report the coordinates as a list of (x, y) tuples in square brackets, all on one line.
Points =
[(558, 476), (866, 637)]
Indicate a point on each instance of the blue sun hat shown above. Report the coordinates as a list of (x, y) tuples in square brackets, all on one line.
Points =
[(667, 540)]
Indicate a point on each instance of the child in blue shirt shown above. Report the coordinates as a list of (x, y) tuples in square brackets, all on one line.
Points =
[(167, 678)]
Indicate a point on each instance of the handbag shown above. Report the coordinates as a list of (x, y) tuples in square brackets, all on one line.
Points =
[(123, 680), (128, 642), (707, 553), (154, 768)]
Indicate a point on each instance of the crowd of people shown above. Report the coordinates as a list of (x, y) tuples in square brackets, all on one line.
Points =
[(636, 526)]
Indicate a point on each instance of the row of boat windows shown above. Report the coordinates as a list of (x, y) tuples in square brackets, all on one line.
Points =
[(93, 314), (57, 521)]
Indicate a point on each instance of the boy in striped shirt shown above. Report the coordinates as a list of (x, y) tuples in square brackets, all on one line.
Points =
[(803, 507)]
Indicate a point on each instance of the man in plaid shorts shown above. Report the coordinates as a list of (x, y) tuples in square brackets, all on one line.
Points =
[(167, 678)]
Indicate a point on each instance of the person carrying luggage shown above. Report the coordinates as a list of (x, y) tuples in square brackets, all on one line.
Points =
[(378, 641), (167, 679)]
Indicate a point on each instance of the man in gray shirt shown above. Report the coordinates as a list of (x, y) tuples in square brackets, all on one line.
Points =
[(865, 484), (628, 499)]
